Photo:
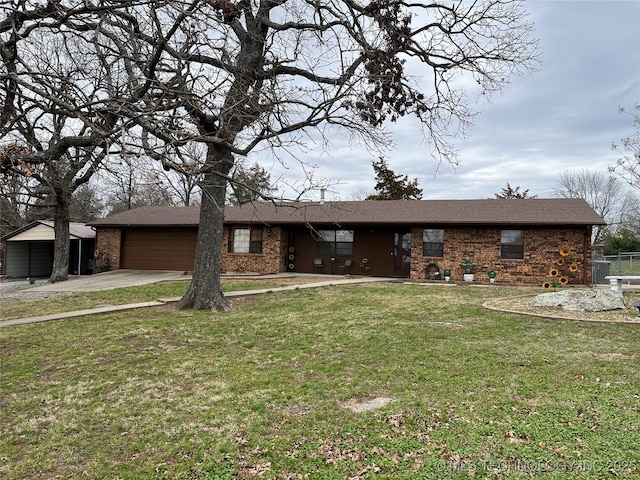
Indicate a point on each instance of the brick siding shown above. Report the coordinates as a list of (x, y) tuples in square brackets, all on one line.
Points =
[(482, 245), (266, 262), (108, 246)]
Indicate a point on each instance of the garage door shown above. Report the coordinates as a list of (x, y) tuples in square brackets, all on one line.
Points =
[(158, 249)]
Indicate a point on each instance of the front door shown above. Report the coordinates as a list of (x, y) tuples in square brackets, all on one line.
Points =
[(402, 254)]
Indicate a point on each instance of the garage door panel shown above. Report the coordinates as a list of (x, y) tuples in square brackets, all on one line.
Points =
[(159, 249)]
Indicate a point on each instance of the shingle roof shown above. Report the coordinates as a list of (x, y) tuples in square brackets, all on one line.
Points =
[(152, 216), (76, 229), (553, 211)]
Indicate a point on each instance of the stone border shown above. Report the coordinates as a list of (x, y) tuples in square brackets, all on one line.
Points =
[(488, 306)]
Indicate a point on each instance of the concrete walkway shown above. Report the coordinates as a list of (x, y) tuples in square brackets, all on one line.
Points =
[(337, 280), (112, 279)]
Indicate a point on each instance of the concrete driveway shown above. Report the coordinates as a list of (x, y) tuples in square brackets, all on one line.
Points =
[(113, 279)]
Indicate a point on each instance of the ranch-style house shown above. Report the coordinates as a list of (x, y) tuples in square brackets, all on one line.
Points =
[(520, 240)]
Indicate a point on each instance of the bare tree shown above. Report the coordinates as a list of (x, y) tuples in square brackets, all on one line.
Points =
[(628, 165), (238, 74), (134, 182), (66, 72), (131, 179), (14, 199), (606, 195), (44, 140), (73, 75), (185, 183), (235, 75), (359, 193)]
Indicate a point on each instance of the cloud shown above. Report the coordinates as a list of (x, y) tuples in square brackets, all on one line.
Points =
[(563, 117)]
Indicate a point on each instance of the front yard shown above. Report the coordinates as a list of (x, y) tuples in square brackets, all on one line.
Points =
[(265, 391)]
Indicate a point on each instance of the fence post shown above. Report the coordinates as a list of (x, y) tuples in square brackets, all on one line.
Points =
[(619, 264)]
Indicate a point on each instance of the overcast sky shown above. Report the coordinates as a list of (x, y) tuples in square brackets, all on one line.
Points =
[(563, 117)]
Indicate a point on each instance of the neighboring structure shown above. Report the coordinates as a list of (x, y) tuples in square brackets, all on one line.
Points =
[(28, 251), (519, 239)]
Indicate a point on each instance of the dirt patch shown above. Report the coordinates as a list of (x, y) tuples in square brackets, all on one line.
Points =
[(360, 406), (236, 302)]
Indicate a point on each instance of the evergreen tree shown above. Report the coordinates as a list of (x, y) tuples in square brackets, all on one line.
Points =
[(510, 192), (625, 240), (250, 185), (392, 186)]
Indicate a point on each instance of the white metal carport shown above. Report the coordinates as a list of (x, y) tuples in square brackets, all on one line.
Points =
[(28, 251)]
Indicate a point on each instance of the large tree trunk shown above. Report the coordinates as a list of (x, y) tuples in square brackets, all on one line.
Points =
[(204, 292), (61, 245)]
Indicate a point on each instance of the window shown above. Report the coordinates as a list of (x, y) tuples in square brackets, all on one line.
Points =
[(433, 242), (512, 244), (246, 240), (335, 242)]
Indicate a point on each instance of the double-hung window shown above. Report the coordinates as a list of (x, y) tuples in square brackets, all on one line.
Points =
[(433, 242), (246, 240), (512, 244), (335, 242)]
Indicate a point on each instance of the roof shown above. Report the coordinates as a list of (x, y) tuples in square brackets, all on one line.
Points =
[(152, 217), (43, 230), (517, 212)]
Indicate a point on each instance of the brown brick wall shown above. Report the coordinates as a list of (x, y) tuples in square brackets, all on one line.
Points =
[(482, 245), (266, 262), (108, 242), (541, 252)]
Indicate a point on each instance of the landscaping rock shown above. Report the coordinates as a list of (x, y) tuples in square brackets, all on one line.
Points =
[(583, 300)]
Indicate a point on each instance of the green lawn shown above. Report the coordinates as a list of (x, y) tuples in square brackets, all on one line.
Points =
[(118, 296), (261, 391)]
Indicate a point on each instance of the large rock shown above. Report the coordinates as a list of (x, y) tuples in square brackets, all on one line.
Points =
[(583, 300)]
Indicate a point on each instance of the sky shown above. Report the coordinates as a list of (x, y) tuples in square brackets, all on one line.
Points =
[(564, 117)]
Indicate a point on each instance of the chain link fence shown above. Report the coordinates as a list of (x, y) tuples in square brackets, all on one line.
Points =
[(627, 263), (624, 263)]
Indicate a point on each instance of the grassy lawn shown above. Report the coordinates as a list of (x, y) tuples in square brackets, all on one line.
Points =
[(262, 391), (119, 296)]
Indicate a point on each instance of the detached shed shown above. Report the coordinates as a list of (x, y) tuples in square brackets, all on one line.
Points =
[(28, 251)]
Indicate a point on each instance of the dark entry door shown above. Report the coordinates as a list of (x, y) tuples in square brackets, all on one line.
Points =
[(402, 254)]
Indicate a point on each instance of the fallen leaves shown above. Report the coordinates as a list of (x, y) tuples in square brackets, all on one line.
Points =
[(513, 437)]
